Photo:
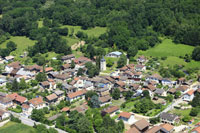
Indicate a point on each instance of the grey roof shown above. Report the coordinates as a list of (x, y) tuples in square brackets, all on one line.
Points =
[(169, 117), (59, 92), (116, 53), (25, 73), (159, 91), (66, 86)]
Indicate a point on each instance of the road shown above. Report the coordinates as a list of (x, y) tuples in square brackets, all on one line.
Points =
[(30, 122), (180, 100)]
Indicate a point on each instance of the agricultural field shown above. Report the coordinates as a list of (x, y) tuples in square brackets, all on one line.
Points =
[(12, 127), (172, 51)]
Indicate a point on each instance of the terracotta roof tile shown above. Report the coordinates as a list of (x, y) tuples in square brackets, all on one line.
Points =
[(111, 109), (65, 109), (197, 129), (133, 130), (141, 124), (167, 126), (36, 101), (77, 93), (190, 92), (125, 115), (52, 97)]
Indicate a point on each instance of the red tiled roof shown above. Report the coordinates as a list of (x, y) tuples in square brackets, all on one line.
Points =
[(17, 97), (65, 109), (51, 97), (47, 69), (190, 92), (36, 101), (167, 126), (111, 109), (197, 129), (125, 115), (77, 93), (133, 130), (25, 106)]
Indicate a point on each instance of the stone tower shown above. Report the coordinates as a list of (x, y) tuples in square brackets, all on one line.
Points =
[(103, 64)]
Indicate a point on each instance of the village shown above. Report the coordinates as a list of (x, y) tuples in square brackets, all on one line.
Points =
[(146, 103)]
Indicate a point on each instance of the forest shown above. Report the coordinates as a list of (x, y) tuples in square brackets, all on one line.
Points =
[(134, 24)]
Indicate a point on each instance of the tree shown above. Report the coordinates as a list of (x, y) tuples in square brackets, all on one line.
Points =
[(122, 61), (177, 94), (11, 46), (90, 94), (94, 102), (120, 126), (38, 115), (196, 53), (40, 77), (186, 118), (116, 94), (84, 125), (146, 94), (154, 120), (15, 86), (132, 51), (22, 84), (72, 64), (109, 63), (194, 111), (80, 72), (128, 95), (169, 98), (195, 102)]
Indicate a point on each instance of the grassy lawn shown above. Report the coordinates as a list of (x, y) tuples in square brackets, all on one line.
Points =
[(113, 68), (40, 24), (172, 51), (49, 55), (12, 127), (51, 114), (117, 102), (168, 48), (71, 41), (129, 106), (180, 112), (1, 15), (77, 54), (22, 44), (96, 32)]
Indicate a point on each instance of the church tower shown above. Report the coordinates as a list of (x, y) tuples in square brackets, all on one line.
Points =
[(103, 64)]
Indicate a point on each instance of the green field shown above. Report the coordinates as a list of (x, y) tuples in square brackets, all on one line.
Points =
[(92, 32), (168, 48), (40, 24), (12, 127), (22, 44), (172, 51), (71, 41)]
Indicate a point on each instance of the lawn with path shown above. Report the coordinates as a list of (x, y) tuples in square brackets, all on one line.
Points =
[(13, 127)]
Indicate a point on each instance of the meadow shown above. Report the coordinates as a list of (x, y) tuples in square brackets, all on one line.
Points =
[(12, 127), (172, 51)]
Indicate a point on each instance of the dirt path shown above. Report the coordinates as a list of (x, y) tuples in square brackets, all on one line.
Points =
[(77, 45)]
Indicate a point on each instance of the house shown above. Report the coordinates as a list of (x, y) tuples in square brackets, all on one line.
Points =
[(166, 128), (141, 59), (65, 66), (60, 95), (26, 109), (34, 68), (105, 100), (75, 95), (141, 125), (119, 84), (9, 58), (68, 58), (168, 118), (110, 110), (167, 82), (14, 65), (115, 54), (160, 92), (45, 84), (155, 77), (140, 68), (196, 130), (183, 88), (189, 95), (6, 102), (127, 117), (172, 91), (52, 99), (65, 109), (154, 129), (47, 69), (17, 99), (37, 103), (4, 114), (133, 130), (81, 109), (181, 81)]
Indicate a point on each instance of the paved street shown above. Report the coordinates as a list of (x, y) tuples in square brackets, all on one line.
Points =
[(30, 122)]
